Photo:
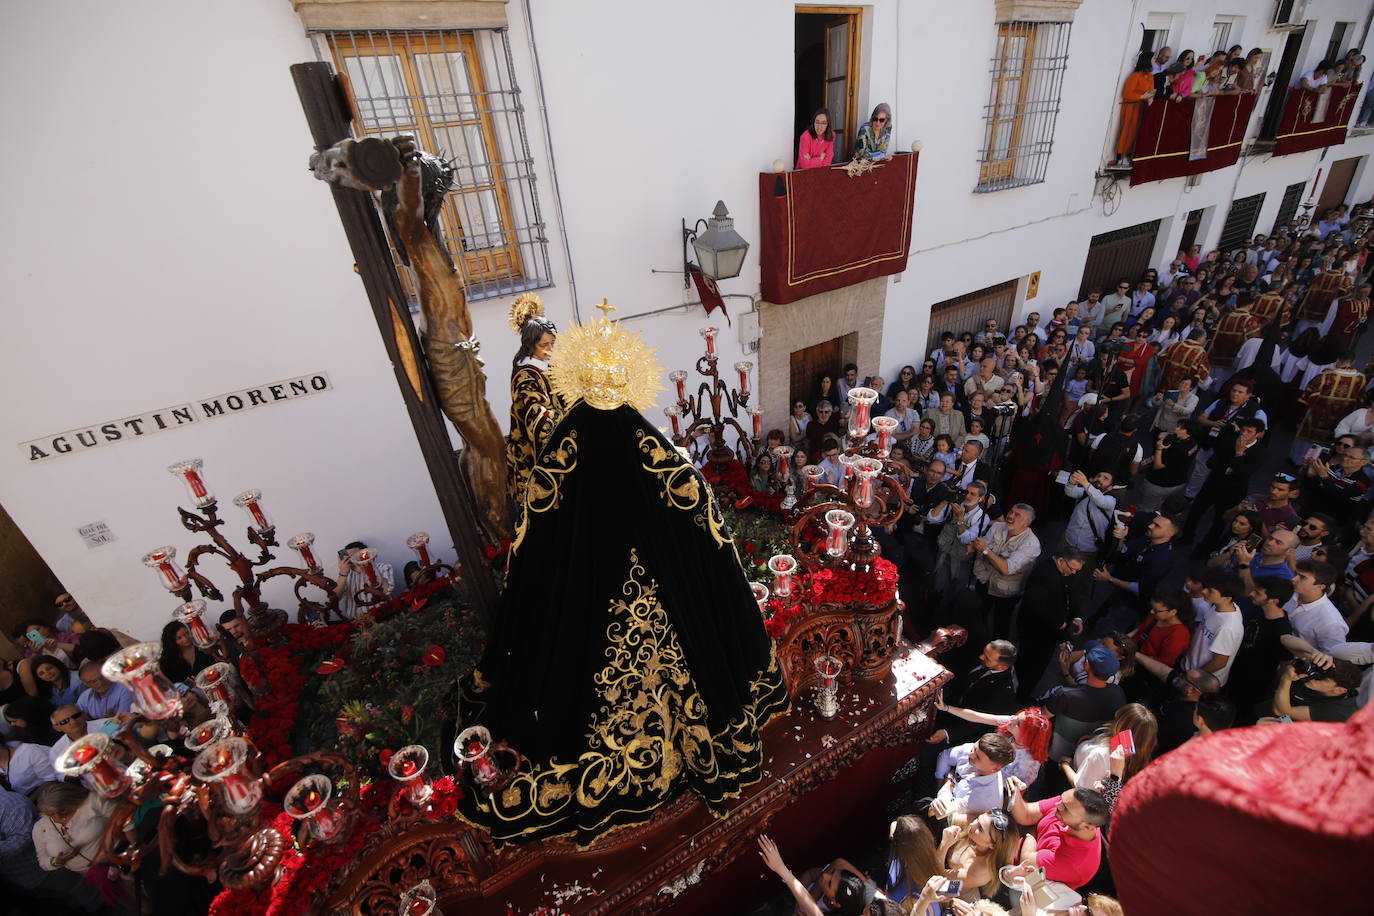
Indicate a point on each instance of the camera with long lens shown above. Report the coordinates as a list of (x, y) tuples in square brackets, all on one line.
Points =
[(1305, 668), (957, 494)]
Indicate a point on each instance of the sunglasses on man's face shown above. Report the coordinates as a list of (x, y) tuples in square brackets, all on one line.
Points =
[(61, 722)]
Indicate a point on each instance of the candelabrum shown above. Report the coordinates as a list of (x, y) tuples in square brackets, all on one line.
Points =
[(429, 568), (209, 795), (834, 523), (714, 408), (264, 622)]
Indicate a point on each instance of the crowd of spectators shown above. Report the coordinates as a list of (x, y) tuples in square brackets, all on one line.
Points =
[(52, 827), (1161, 75), (1152, 513)]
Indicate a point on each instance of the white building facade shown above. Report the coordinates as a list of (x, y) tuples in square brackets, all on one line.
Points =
[(167, 245)]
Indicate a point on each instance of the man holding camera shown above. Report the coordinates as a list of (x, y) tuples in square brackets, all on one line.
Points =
[(1308, 693), (962, 519), (1090, 523)]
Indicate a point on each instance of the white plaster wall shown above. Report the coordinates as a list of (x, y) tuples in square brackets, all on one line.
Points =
[(164, 242)]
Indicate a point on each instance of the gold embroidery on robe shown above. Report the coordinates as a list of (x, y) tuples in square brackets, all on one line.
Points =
[(650, 728), (683, 488), (543, 492)]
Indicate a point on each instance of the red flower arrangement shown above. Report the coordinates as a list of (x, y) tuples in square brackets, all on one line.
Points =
[(731, 483), (831, 586)]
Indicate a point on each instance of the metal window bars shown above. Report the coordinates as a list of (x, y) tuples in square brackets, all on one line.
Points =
[(456, 92), (1027, 75)]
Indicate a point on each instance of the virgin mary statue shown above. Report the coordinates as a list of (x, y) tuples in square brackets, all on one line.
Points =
[(629, 661)]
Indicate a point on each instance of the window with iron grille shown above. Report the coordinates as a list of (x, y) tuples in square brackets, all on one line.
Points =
[(1023, 103), (455, 91), (1292, 196), (1240, 222)]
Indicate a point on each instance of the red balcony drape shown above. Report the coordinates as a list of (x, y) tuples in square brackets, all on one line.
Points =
[(1164, 145), (822, 230), (1299, 128)]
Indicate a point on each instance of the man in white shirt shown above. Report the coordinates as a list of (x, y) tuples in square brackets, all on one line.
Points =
[(1093, 312), (1313, 616), (1316, 77), (972, 775), (987, 378), (1033, 327), (25, 766), (1220, 630), (1116, 307), (963, 523)]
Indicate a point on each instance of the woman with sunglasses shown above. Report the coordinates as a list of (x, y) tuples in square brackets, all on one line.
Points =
[(976, 853), (906, 381), (797, 422), (875, 137)]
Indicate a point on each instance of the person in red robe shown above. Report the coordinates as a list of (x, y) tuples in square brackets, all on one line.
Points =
[(1327, 287), (1346, 319), (1185, 358), (1328, 398), (1234, 329), (1135, 361), (1267, 305)]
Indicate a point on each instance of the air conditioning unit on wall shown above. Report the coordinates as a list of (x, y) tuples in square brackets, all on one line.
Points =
[(1289, 14)]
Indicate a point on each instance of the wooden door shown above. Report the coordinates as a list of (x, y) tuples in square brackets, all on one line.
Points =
[(839, 89), (1114, 255), (810, 364), (1337, 185)]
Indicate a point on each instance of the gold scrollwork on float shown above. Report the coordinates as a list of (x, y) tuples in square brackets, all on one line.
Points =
[(650, 730), (544, 491), (683, 487)]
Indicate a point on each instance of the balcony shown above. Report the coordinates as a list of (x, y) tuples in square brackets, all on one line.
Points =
[(1191, 136), (1315, 118), (823, 229)]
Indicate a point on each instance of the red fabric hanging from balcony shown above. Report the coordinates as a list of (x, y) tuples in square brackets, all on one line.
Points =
[(1311, 122), (823, 230), (1170, 136)]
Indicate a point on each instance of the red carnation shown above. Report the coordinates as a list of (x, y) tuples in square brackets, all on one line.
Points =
[(384, 758), (750, 548), (434, 656), (407, 715)]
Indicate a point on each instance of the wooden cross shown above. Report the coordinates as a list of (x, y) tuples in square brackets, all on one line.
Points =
[(606, 309)]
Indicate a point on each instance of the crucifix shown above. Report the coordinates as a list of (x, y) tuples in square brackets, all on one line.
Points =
[(466, 499)]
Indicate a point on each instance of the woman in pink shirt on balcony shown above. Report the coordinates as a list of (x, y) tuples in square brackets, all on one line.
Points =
[(816, 148)]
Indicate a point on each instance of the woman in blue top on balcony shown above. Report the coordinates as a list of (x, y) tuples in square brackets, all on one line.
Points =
[(876, 136)]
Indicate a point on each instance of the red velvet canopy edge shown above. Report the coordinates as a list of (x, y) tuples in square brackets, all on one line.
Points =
[(823, 230), (1267, 819), (1162, 144), (1299, 133)]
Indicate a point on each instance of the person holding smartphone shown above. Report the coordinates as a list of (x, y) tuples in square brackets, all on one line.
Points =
[(352, 579)]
